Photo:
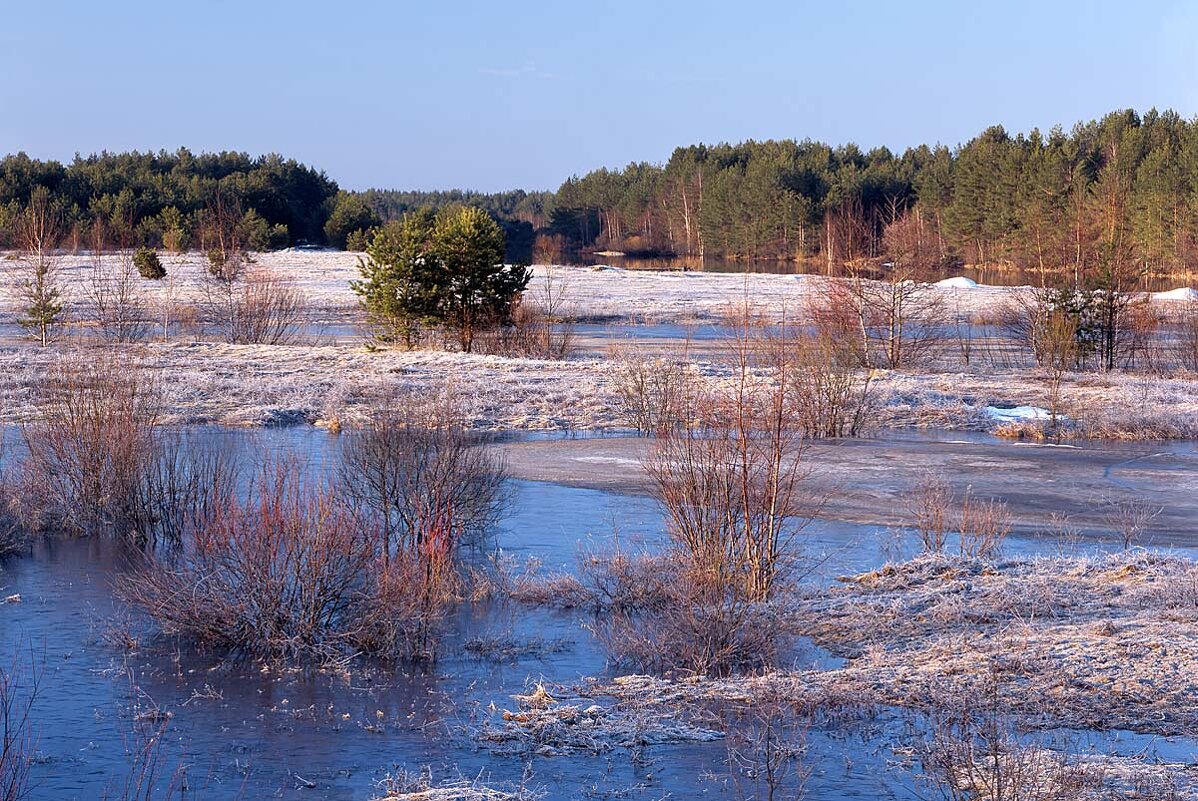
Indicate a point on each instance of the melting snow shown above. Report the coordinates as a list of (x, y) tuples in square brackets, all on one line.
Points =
[(958, 282), (1011, 413), (1181, 293)]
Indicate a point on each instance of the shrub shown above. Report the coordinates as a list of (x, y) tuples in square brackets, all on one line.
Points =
[(983, 525), (1130, 519), (973, 753), (413, 465), (14, 535), (148, 264), (18, 743), (693, 632), (929, 508), (659, 614), (732, 480), (651, 392), (92, 441), (276, 575), (258, 308), (832, 397), (539, 325)]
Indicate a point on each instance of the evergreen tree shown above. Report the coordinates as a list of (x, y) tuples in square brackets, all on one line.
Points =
[(474, 287), (398, 289)]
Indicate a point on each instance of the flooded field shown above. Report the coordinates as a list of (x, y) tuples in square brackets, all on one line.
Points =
[(235, 728)]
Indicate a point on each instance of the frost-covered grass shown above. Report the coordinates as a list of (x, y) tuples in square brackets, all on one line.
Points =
[(1100, 644), (287, 384), (405, 786), (265, 385), (1104, 643), (210, 382)]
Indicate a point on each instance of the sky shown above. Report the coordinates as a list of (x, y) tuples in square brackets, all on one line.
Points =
[(491, 96)]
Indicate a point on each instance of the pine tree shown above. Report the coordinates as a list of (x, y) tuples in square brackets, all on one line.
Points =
[(474, 287)]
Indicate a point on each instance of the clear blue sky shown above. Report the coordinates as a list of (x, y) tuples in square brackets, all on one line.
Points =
[(492, 95)]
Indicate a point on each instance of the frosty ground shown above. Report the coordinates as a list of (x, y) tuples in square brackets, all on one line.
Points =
[(323, 376), (1088, 642)]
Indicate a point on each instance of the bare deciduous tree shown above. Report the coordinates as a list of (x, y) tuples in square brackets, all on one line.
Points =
[(892, 322), (114, 293), (1130, 519)]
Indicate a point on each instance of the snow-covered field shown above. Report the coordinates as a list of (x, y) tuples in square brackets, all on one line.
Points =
[(591, 293), (213, 382)]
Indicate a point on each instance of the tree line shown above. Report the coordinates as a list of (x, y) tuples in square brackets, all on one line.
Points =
[(173, 200), (1124, 187), (1115, 194)]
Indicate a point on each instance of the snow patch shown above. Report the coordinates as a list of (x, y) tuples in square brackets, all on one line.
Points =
[(604, 460), (957, 282), (1181, 293), (1008, 414)]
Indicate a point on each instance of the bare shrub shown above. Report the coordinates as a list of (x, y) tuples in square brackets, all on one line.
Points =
[(222, 237), (14, 529), (1137, 338), (972, 754), (831, 396), (540, 324), (1186, 324), (254, 307), (929, 507), (1130, 519), (1024, 313), (276, 574), (18, 741), (732, 480), (183, 488), (414, 466), (147, 777), (1065, 533), (766, 745), (404, 602), (114, 295), (984, 526), (621, 582), (694, 633), (651, 392), (92, 440)]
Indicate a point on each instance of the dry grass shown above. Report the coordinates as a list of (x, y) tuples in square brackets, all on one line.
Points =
[(406, 786), (546, 722), (1108, 643), (1100, 643)]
